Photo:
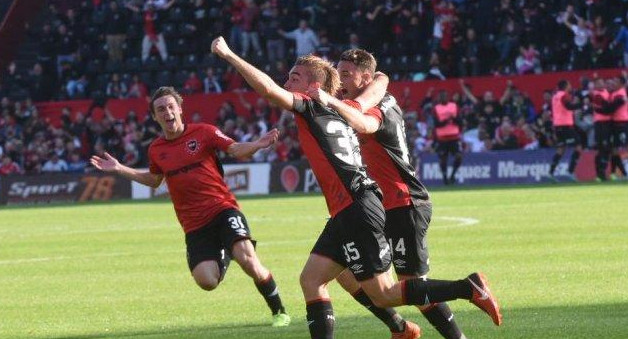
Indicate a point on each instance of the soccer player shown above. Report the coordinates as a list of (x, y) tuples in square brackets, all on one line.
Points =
[(215, 229), (448, 127), (381, 131), (354, 236), (566, 135), (619, 100), (602, 127)]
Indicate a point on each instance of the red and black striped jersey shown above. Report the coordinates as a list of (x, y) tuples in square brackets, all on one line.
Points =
[(333, 151), (387, 159)]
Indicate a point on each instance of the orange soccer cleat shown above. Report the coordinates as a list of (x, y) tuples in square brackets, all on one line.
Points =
[(483, 298), (412, 331)]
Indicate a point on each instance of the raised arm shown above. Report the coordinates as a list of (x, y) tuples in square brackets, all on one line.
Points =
[(246, 149), (257, 79), (360, 122), (112, 165), (468, 93), (374, 92)]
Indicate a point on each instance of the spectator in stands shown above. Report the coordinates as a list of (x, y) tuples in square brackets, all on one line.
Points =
[(581, 49), (116, 89), (66, 49), (55, 164), (47, 49), (76, 86), (211, 83), (76, 164), (153, 36), (275, 44), (192, 84), (250, 35), (137, 89), (600, 40), (38, 85), (235, 34), (468, 55), (232, 80), (528, 60), (305, 39), (199, 24), (8, 166), (622, 38), (325, 49), (12, 78), (115, 31)]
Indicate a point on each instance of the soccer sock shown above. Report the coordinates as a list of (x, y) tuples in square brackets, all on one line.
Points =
[(442, 161), (555, 161), (440, 316), (457, 163), (617, 163), (599, 169), (425, 292), (320, 319), (268, 289), (388, 316), (573, 161)]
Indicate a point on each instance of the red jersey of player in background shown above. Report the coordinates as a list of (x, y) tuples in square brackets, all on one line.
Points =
[(193, 174)]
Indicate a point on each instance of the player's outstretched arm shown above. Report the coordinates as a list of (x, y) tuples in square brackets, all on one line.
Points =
[(360, 122), (246, 149), (374, 92), (257, 79), (112, 165)]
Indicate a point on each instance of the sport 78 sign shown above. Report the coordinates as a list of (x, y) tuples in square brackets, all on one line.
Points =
[(48, 188)]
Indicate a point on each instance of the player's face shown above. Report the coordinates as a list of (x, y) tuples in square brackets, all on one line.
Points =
[(168, 116), (298, 81), (351, 79)]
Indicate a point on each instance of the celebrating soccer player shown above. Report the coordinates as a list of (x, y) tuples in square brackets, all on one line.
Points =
[(215, 229), (354, 236)]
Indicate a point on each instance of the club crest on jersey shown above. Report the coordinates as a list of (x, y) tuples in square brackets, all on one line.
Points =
[(192, 146)]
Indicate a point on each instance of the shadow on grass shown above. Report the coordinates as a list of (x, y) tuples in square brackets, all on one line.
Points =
[(582, 321)]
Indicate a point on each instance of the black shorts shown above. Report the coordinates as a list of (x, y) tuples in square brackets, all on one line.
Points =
[(448, 147), (406, 230), (215, 240), (620, 134), (355, 238), (603, 133), (566, 136)]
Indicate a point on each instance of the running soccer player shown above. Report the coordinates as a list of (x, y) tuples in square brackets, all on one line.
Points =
[(566, 135), (354, 236), (381, 131), (215, 229)]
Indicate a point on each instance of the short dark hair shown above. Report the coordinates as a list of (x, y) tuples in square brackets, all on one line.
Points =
[(162, 92), (562, 84), (361, 58)]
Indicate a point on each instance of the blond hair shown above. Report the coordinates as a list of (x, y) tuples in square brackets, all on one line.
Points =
[(320, 70)]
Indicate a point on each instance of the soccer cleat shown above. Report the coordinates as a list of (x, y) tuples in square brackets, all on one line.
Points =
[(552, 178), (614, 177), (572, 177), (412, 331), (281, 320), (483, 298)]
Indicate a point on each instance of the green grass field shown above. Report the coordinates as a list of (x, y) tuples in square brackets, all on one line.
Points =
[(557, 259)]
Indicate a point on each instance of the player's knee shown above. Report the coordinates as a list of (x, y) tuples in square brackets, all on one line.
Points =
[(207, 283), (309, 281), (380, 300)]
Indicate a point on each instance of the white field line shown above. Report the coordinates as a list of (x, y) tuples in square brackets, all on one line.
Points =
[(460, 222)]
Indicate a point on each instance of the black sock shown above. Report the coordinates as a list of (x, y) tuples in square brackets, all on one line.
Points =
[(268, 289), (457, 163), (599, 168), (388, 316), (443, 168), (555, 161), (425, 292), (320, 319), (440, 316), (617, 163), (573, 161)]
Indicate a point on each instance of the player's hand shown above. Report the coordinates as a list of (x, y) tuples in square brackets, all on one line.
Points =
[(316, 93), (220, 47), (107, 164), (269, 138)]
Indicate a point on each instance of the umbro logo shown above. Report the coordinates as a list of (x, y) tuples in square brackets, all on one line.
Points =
[(400, 263), (357, 268)]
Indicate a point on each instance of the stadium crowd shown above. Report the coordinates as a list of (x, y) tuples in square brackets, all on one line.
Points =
[(104, 49)]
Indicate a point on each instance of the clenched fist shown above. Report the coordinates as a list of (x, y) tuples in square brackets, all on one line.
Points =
[(220, 47)]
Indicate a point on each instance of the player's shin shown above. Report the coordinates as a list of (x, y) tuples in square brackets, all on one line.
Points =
[(388, 316), (440, 316), (320, 319)]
